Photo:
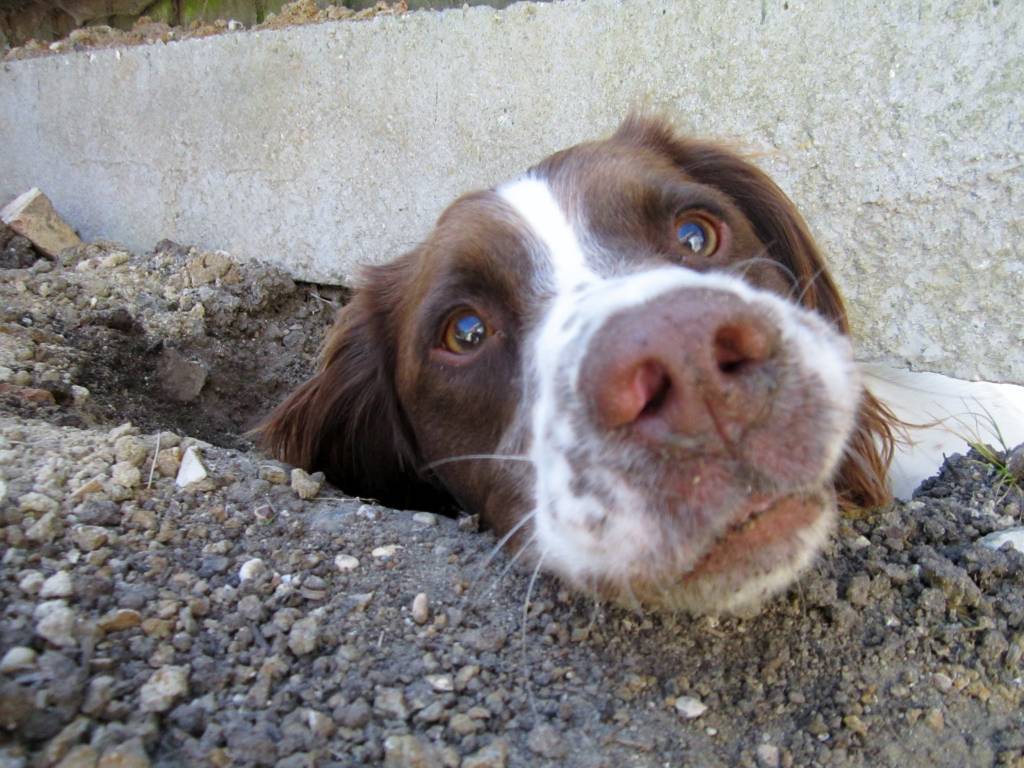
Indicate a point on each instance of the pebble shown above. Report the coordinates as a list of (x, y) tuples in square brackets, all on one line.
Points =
[(168, 461), (38, 503), (273, 473), (80, 756), (386, 551), (125, 474), (494, 755), (346, 562), (252, 569), (768, 756), (408, 751), (17, 658), (546, 741), (192, 469), (305, 485), (58, 585), (440, 683), (89, 538), (131, 450), (690, 708), (164, 687), (31, 582), (304, 636), (45, 529), (420, 608), (55, 622), (425, 518), (119, 619), (391, 701), (1012, 536)]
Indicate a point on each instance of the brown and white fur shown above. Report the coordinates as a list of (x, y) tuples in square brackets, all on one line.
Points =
[(653, 421)]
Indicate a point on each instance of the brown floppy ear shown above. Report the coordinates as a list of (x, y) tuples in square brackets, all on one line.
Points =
[(347, 421), (863, 476)]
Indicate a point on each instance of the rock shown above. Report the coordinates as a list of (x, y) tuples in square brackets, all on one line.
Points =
[(767, 756), (31, 582), (252, 569), (391, 702), (61, 744), (180, 379), (425, 518), (98, 695), (690, 708), (37, 503), (168, 462), (55, 622), (126, 474), (89, 538), (346, 562), (385, 552), (131, 754), (32, 215), (305, 485), (494, 755), (163, 689), (304, 636), (546, 741), (119, 620), (131, 449), (58, 585), (1012, 536), (17, 658), (410, 752), (192, 469), (273, 473), (420, 608), (82, 756), (441, 683)]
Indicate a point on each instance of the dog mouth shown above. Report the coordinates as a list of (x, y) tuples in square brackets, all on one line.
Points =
[(765, 530)]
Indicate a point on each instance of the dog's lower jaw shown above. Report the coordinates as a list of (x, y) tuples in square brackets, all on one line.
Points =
[(753, 560)]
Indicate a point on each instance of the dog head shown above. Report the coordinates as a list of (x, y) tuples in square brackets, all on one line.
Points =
[(631, 360)]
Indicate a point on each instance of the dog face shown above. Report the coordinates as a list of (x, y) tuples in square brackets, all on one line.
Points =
[(630, 360)]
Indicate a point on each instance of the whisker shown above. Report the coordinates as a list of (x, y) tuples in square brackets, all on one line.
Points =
[(475, 457), (511, 563), (505, 539), (526, 615)]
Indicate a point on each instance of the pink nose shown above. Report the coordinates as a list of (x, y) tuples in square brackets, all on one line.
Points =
[(695, 363)]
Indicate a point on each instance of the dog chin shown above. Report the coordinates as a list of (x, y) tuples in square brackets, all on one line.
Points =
[(769, 544)]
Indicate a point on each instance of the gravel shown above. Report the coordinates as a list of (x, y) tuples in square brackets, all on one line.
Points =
[(231, 616)]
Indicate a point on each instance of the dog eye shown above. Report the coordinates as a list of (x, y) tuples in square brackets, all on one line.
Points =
[(465, 332), (697, 234)]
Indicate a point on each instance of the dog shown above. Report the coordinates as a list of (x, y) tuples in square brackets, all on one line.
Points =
[(630, 361)]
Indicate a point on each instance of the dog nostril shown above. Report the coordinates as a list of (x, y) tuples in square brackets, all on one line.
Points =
[(652, 383), (739, 346)]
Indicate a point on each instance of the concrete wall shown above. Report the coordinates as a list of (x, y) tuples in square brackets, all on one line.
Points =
[(897, 127)]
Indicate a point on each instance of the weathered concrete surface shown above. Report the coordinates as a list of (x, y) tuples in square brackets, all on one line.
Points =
[(898, 131)]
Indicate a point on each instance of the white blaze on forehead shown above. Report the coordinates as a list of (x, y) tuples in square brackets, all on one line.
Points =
[(532, 200)]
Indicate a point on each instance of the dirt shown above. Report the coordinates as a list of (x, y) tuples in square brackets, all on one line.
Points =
[(148, 32), (259, 617)]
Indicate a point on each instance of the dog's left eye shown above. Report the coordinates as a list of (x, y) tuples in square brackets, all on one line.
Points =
[(465, 332), (697, 234)]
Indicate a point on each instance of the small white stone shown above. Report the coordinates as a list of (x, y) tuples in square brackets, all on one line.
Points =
[(3, 491), (192, 469), (79, 394), (420, 608), (252, 569), (31, 582), (18, 657), (164, 687), (304, 636), (386, 551), (1015, 537), (305, 485), (425, 518), (442, 683), (690, 708), (58, 585), (45, 529), (767, 756), (346, 562), (56, 623)]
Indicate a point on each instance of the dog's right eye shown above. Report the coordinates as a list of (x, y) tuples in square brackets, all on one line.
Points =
[(464, 332)]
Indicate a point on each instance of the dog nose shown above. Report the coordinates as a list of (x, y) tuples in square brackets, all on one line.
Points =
[(694, 363)]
